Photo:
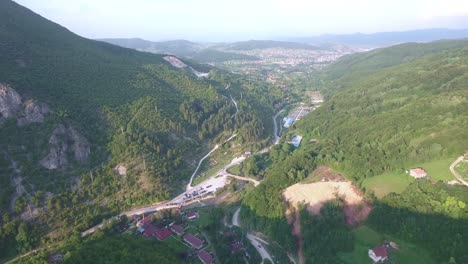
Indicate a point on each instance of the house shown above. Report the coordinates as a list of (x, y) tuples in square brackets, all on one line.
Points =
[(418, 173), (378, 254), (177, 229), (192, 216), (193, 240), (162, 233), (205, 257), (149, 231)]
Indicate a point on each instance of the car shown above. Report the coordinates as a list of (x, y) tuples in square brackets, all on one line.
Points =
[(260, 246)]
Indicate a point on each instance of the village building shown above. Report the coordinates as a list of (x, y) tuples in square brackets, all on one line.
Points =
[(193, 241), (162, 233), (205, 257), (378, 254), (177, 229), (418, 173), (192, 216)]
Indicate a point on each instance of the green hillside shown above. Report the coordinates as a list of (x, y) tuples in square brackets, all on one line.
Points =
[(398, 116), (360, 65), (108, 106)]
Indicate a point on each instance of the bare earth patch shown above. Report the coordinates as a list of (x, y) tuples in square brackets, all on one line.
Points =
[(315, 195)]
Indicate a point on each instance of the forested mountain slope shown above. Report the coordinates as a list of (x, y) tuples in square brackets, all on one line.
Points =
[(71, 109), (412, 112), (359, 65)]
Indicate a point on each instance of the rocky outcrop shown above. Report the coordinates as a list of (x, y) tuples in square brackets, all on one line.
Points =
[(34, 112), (64, 142), (11, 106), (10, 102)]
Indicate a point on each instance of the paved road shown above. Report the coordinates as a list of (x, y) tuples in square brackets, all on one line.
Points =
[(275, 127), (235, 104), (254, 240), (455, 173), (189, 185)]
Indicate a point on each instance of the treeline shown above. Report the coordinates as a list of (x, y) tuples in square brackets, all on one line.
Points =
[(434, 216), (263, 208), (326, 234)]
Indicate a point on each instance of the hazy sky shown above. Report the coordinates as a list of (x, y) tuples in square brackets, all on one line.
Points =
[(218, 20)]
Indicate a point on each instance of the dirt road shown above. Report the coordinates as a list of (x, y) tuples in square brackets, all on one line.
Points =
[(455, 173)]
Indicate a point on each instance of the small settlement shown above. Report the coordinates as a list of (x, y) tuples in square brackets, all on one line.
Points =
[(195, 243)]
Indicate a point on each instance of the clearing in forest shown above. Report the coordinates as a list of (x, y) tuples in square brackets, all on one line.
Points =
[(316, 194)]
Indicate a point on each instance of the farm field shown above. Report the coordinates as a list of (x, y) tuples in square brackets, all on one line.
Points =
[(386, 183)]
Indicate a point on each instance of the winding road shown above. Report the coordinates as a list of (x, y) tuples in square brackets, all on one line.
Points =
[(254, 240)]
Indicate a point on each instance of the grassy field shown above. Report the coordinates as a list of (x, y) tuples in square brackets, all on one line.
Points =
[(367, 238), (438, 170), (236, 170), (386, 183)]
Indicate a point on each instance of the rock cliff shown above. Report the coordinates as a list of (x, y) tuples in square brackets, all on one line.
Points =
[(65, 143)]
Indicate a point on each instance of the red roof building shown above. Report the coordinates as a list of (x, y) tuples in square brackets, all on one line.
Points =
[(193, 240), (162, 233), (192, 216), (378, 254), (177, 229), (205, 257), (150, 231), (418, 173)]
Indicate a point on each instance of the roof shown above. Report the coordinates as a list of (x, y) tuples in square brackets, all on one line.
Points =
[(162, 233), (418, 171), (380, 251), (149, 231), (192, 215), (193, 240), (177, 229), (205, 257)]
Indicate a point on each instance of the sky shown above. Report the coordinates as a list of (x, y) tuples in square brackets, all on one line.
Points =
[(219, 20)]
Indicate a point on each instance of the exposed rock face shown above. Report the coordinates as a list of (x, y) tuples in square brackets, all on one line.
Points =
[(65, 140), (34, 112), (11, 107), (10, 102)]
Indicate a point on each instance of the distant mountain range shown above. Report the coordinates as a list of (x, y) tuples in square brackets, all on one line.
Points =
[(383, 39)]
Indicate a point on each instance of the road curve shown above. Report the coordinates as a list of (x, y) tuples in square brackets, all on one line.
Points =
[(455, 173), (254, 240)]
